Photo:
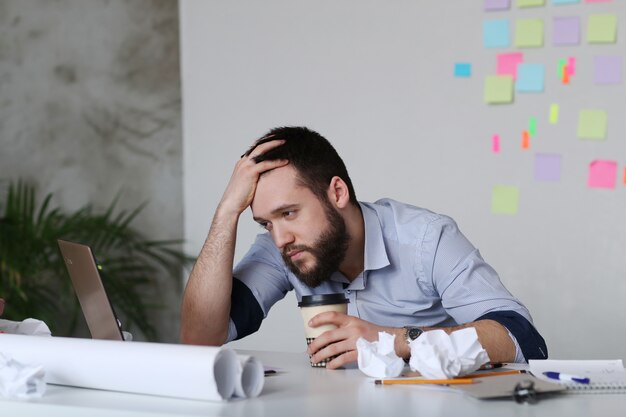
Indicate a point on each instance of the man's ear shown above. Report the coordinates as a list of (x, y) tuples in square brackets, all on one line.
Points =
[(338, 193)]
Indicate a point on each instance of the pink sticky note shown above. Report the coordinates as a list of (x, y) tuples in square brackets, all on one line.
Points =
[(598, 1), (507, 63), (571, 65), (495, 143), (602, 174)]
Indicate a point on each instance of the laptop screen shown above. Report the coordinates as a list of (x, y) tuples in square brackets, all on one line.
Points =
[(83, 271)]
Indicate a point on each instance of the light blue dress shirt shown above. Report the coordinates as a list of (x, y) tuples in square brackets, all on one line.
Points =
[(419, 270)]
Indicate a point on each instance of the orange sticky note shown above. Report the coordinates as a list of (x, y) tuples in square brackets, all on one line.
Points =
[(624, 175), (565, 75), (525, 139)]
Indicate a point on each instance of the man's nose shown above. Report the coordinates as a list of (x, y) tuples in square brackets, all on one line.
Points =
[(282, 236)]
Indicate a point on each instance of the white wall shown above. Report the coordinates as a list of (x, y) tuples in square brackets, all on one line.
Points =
[(375, 77)]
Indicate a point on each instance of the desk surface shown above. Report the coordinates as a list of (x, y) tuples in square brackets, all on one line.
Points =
[(304, 391)]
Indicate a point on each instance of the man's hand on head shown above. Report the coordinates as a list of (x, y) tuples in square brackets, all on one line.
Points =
[(340, 341), (240, 190)]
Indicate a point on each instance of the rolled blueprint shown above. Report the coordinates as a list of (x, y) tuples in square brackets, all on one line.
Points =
[(182, 371), (252, 374)]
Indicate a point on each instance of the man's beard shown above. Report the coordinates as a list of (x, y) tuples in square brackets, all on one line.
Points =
[(328, 251)]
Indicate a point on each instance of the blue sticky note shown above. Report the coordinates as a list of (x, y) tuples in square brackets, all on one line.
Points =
[(530, 77), (462, 69), (496, 33), (565, 1)]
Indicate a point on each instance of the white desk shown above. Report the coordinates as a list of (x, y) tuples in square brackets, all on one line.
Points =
[(304, 391)]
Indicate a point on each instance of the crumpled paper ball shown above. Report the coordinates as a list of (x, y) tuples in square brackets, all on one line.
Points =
[(378, 359), (438, 355)]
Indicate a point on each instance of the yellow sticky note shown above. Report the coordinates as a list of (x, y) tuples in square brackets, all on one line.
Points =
[(529, 33), (530, 3), (602, 28), (554, 114), (498, 89), (504, 199), (592, 124)]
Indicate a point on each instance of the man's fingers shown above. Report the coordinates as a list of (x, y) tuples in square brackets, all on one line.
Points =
[(344, 359), (329, 317), (256, 151)]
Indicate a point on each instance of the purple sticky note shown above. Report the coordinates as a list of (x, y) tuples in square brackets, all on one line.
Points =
[(602, 174), (607, 69), (507, 63), (547, 167), (566, 30), (491, 5)]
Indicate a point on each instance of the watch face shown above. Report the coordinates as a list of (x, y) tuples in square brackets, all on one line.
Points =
[(414, 333)]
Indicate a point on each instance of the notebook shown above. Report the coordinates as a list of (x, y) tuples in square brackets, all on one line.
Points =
[(97, 309), (605, 376)]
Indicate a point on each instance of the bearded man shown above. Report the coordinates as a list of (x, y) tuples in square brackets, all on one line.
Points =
[(404, 269)]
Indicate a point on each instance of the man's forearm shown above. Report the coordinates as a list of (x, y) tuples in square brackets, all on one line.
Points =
[(493, 336), (206, 301)]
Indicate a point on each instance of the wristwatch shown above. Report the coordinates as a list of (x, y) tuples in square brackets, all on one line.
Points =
[(411, 333)]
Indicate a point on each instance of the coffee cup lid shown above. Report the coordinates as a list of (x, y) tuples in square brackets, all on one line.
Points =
[(322, 299)]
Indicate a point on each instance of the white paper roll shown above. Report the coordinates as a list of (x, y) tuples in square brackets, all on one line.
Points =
[(183, 371), (251, 378)]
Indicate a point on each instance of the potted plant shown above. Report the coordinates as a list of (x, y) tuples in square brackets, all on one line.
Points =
[(33, 280)]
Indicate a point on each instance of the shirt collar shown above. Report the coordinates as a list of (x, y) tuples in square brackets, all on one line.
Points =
[(375, 250)]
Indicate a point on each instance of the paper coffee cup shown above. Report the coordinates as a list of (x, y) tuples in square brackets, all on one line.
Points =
[(312, 305)]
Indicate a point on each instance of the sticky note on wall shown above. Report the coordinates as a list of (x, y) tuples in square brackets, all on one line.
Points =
[(462, 69), (530, 3), (566, 30), (498, 89), (602, 28), (565, 1), (547, 167), (592, 124), (506, 64), (554, 113), (496, 33), (607, 69), (504, 199), (492, 5), (602, 174), (529, 33), (530, 78)]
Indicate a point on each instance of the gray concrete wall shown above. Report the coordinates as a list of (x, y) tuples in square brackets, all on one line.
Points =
[(90, 107)]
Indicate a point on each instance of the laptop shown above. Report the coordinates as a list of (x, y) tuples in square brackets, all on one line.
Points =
[(97, 309)]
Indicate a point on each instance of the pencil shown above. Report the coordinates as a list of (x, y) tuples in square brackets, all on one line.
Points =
[(459, 381), (480, 375)]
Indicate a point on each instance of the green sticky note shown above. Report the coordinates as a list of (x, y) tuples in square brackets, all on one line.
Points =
[(530, 3), (532, 126), (562, 63), (554, 114), (529, 33), (498, 89), (602, 28), (592, 124), (504, 199)]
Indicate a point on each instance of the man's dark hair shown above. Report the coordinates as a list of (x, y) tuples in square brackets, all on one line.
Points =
[(312, 156)]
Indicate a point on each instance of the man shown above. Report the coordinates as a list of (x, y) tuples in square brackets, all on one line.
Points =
[(404, 269)]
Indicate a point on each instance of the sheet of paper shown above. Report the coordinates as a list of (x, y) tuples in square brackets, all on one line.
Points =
[(605, 371), (462, 69), (504, 199), (602, 28), (171, 370), (529, 33), (554, 113), (547, 167), (530, 78), (607, 69), (566, 30), (506, 64), (498, 89), (492, 5), (602, 174), (496, 33), (592, 124)]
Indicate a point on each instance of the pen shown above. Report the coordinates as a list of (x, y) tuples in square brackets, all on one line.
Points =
[(459, 381), (491, 365), (484, 374), (566, 377)]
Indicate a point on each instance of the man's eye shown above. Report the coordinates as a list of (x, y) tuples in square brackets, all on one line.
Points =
[(290, 213), (266, 225)]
